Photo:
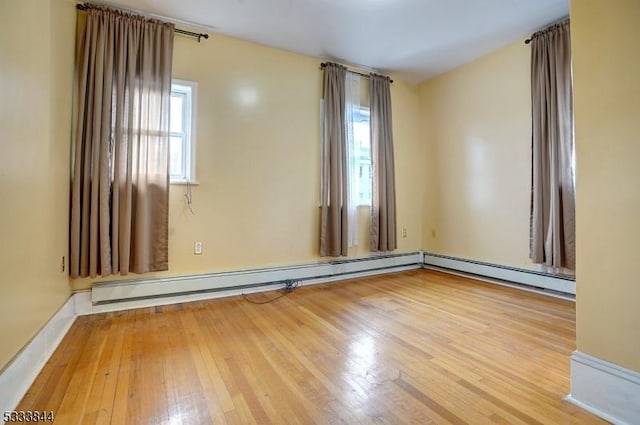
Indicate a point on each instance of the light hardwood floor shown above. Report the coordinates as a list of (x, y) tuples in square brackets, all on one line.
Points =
[(416, 347)]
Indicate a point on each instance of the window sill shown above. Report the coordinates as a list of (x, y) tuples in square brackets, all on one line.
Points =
[(358, 206), (184, 182)]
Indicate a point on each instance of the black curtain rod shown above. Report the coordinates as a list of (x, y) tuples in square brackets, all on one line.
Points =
[(324, 65), (198, 35), (544, 30)]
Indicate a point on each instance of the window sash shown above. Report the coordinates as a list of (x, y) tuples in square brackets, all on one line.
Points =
[(184, 91)]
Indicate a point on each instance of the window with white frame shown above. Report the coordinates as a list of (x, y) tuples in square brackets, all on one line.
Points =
[(361, 135), (182, 159)]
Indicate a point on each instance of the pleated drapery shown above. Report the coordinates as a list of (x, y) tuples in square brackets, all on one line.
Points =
[(383, 208), (352, 115), (334, 229), (120, 176), (552, 227)]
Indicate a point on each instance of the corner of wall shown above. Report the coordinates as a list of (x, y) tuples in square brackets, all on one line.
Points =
[(429, 182), (37, 41)]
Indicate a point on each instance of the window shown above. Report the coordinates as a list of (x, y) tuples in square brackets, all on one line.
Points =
[(182, 129), (361, 136)]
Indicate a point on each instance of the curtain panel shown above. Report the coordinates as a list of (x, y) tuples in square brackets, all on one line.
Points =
[(383, 208), (120, 175), (352, 114), (334, 229), (552, 226)]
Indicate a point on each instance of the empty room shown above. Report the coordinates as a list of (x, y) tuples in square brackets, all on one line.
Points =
[(319, 212)]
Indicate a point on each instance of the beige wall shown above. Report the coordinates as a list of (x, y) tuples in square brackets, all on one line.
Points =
[(462, 155), (476, 128), (36, 71), (606, 67), (258, 127)]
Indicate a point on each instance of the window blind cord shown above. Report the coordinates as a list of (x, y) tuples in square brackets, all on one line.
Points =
[(188, 196)]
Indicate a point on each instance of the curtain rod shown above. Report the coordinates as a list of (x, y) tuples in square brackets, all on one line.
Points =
[(198, 35), (324, 65), (546, 29)]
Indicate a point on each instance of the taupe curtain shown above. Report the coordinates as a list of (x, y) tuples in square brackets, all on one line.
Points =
[(383, 207), (552, 231), (333, 205), (120, 177)]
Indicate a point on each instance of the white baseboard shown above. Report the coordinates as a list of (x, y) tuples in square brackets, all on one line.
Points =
[(19, 374), (605, 389), (125, 291), (499, 282), (531, 278)]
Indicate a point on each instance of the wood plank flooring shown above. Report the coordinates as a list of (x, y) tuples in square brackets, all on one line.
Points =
[(417, 347)]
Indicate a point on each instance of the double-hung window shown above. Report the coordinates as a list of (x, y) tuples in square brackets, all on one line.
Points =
[(362, 142), (358, 150), (182, 132)]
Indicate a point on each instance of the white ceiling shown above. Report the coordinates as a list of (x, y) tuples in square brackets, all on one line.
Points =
[(413, 39)]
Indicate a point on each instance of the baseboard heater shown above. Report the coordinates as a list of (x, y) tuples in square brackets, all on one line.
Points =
[(563, 284), (140, 289)]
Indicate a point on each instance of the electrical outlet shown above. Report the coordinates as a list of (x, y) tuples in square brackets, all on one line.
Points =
[(62, 265), (404, 232), (197, 248)]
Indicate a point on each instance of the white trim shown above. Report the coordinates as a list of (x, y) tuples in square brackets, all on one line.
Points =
[(185, 182), (525, 288), (125, 291), (525, 277), (19, 374), (190, 113), (82, 302), (605, 389)]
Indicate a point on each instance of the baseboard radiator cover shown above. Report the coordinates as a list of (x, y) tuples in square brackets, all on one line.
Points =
[(605, 389), (123, 291), (562, 284)]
